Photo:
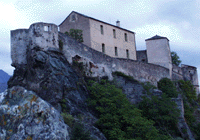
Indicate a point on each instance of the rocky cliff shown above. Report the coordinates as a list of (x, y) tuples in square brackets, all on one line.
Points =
[(38, 93)]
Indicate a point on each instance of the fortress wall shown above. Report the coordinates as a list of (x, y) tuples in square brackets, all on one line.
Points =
[(104, 65), (142, 56), (44, 35), (176, 76), (19, 43)]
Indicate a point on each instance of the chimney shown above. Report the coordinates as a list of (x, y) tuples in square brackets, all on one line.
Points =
[(118, 23)]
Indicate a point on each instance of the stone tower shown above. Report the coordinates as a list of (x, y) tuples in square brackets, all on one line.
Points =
[(190, 74), (43, 35), (158, 52)]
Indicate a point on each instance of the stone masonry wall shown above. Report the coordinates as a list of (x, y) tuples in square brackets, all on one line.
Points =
[(19, 42), (40, 34), (102, 65)]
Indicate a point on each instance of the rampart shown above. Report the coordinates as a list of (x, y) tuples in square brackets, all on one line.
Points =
[(100, 64), (97, 64), (40, 34)]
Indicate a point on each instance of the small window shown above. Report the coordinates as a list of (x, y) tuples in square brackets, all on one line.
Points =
[(114, 33), (127, 54), (46, 28), (103, 48), (116, 54), (101, 29), (125, 36)]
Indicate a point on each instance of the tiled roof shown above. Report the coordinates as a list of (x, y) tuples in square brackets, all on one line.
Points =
[(156, 37), (99, 21)]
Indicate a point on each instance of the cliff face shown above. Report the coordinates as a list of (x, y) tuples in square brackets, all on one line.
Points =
[(52, 78), (24, 115)]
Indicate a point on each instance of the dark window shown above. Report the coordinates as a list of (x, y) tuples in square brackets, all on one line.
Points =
[(125, 36), (116, 54), (103, 48), (127, 54), (101, 29), (114, 33)]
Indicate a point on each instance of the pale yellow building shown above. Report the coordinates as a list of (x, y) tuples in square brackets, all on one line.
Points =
[(101, 36)]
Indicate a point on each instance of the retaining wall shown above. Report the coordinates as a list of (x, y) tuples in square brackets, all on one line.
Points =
[(104, 65)]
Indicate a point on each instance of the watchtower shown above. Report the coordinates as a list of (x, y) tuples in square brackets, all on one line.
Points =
[(158, 52)]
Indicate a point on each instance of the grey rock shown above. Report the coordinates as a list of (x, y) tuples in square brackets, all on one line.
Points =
[(25, 115), (52, 78), (133, 89)]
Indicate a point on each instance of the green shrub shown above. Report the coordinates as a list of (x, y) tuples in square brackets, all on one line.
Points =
[(188, 90), (118, 73), (76, 34), (196, 130), (68, 119), (60, 44), (188, 114), (162, 111), (167, 87), (148, 86), (78, 133), (118, 119)]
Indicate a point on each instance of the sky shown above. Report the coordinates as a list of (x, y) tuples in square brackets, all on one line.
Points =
[(178, 20)]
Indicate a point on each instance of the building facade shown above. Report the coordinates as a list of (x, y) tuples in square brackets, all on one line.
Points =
[(101, 36)]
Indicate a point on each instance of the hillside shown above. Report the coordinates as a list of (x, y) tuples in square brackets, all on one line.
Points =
[(49, 98), (4, 77)]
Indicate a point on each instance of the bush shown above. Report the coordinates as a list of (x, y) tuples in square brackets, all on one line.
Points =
[(167, 87), (60, 43), (148, 86), (162, 111), (76, 34), (78, 133), (188, 90), (68, 119), (118, 119), (118, 73)]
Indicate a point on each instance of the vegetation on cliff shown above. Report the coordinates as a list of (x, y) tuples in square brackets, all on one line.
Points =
[(76, 34), (118, 119), (175, 59)]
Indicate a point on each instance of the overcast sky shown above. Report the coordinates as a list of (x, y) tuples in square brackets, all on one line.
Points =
[(178, 20)]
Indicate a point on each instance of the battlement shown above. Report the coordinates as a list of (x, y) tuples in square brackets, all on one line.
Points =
[(40, 34)]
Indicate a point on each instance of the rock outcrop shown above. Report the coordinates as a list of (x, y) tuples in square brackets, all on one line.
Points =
[(52, 78), (24, 115)]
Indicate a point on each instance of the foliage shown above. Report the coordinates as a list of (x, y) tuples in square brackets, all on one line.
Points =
[(78, 133), (188, 90), (118, 119), (76, 34), (196, 130), (175, 59), (60, 43), (162, 111), (148, 86), (118, 73), (167, 87), (68, 119), (188, 114)]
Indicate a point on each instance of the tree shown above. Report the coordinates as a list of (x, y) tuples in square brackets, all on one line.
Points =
[(76, 34), (175, 59)]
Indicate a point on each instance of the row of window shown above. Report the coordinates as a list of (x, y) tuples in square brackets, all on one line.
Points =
[(114, 33), (116, 51)]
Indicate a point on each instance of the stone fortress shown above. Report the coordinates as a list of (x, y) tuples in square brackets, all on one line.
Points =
[(117, 44)]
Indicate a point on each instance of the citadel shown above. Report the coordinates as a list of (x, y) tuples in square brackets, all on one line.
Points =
[(105, 49)]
